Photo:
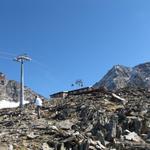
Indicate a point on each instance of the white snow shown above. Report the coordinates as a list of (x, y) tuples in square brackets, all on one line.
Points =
[(8, 104)]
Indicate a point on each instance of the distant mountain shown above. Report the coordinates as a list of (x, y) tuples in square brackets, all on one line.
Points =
[(140, 76), (10, 90), (121, 76), (116, 78)]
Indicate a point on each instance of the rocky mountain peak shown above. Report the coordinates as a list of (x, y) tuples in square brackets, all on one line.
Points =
[(117, 77), (121, 76)]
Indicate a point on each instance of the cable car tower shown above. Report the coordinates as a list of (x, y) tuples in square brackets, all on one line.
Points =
[(22, 59)]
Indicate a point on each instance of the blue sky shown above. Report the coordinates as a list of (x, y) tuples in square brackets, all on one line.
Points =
[(72, 39)]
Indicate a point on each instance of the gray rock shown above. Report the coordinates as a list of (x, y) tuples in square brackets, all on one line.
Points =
[(32, 135), (45, 146), (118, 99), (132, 136), (65, 124), (112, 128), (3, 146)]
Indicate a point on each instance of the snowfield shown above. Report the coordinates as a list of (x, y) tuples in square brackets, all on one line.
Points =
[(8, 104)]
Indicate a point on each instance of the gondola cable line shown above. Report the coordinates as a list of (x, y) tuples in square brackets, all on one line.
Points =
[(41, 66)]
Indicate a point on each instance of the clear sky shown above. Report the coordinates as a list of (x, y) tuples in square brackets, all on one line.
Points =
[(72, 39)]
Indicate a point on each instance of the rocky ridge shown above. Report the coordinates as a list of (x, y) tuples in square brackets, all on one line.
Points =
[(95, 121), (10, 91), (120, 76)]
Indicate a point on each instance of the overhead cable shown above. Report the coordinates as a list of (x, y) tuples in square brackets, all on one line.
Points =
[(6, 53)]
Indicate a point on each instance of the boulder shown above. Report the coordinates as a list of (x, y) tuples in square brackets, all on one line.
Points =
[(132, 136)]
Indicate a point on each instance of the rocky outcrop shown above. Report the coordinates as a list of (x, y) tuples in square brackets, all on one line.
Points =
[(94, 121), (120, 76), (10, 91)]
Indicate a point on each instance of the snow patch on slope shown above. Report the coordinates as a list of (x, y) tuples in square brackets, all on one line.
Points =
[(8, 104)]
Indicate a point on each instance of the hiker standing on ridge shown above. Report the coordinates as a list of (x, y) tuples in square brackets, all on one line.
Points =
[(38, 103)]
